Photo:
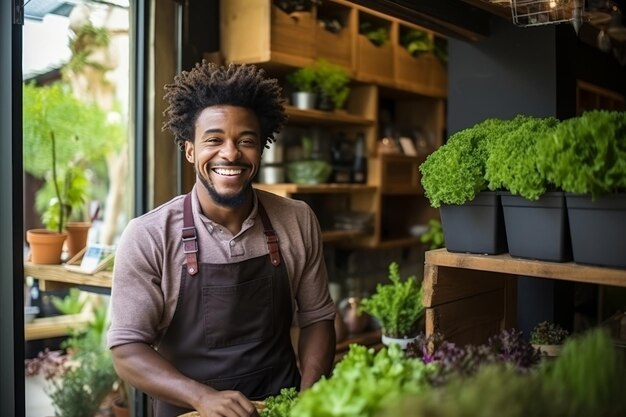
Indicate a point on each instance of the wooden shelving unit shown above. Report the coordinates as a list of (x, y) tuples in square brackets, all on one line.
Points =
[(388, 86), (53, 277), (470, 297)]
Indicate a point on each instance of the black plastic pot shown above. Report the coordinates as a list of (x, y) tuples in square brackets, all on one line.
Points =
[(475, 227), (537, 229), (598, 229)]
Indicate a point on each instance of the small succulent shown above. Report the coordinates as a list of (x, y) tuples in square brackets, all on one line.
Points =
[(548, 333)]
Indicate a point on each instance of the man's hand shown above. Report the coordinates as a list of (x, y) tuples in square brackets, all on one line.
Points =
[(226, 404)]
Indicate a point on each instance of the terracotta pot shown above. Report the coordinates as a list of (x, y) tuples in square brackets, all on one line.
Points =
[(119, 411), (77, 233), (45, 246)]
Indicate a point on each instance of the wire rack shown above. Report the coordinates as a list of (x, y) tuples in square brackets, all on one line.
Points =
[(545, 12)]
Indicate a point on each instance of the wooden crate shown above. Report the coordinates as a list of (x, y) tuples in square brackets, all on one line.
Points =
[(424, 74), (255, 31), (375, 63), (337, 48)]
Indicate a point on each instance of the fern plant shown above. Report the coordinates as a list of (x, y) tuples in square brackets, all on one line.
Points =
[(397, 306)]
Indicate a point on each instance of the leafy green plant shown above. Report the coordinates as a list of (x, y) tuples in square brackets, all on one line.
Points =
[(512, 160), (303, 79), (397, 306), (279, 405), (455, 172), (80, 379), (416, 42), (378, 35), (587, 379), (332, 82), (73, 303), (327, 80), (61, 134), (362, 383), (433, 236), (586, 154), (548, 333)]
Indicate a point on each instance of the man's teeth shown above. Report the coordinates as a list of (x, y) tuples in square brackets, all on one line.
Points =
[(224, 171)]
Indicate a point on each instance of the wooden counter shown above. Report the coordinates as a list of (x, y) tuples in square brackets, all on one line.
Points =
[(469, 297)]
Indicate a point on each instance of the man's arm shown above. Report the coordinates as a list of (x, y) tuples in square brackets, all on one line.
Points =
[(316, 351), (143, 367)]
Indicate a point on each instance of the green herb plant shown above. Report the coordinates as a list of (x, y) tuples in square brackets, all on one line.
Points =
[(73, 303), (362, 383), (586, 154), (328, 81), (377, 35), (512, 161), (397, 306), (433, 236), (548, 333), (416, 42), (279, 405), (303, 79)]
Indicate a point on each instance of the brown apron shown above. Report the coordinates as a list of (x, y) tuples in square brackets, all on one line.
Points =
[(231, 326)]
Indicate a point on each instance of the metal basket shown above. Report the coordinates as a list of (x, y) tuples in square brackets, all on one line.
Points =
[(545, 12)]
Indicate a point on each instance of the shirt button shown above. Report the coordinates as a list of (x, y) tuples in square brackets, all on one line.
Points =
[(233, 243)]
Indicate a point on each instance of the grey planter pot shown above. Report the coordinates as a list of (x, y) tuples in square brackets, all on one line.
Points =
[(537, 229), (598, 229), (475, 227)]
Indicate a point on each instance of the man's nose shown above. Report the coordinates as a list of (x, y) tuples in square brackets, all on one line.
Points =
[(230, 151)]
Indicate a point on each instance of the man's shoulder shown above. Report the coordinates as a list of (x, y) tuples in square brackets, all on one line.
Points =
[(273, 202), (164, 212)]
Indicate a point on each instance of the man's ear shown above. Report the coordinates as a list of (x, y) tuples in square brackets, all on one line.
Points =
[(189, 151)]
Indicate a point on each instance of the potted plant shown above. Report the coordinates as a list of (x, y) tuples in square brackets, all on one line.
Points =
[(586, 157), (548, 337), (304, 82), (534, 210), (332, 85), (433, 236), (454, 179), (81, 377), (397, 307), (322, 85), (60, 134)]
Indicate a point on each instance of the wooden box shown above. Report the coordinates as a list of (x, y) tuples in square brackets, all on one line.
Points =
[(375, 63), (337, 48), (255, 31), (424, 74)]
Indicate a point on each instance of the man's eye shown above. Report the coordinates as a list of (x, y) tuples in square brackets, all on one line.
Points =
[(248, 141)]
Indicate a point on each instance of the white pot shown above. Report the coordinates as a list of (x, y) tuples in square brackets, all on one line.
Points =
[(403, 342), (304, 100)]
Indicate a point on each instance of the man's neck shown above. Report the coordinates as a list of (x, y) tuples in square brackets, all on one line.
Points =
[(231, 218)]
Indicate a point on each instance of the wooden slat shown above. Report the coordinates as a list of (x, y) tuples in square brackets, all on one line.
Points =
[(470, 320), (54, 326), (505, 264), (59, 274)]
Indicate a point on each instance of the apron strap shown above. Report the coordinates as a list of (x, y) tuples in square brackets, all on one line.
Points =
[(270, 236), (190, 239)]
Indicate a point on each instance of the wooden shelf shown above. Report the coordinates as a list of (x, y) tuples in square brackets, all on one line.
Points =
[(57, 276), (286, 189), (338, 235), (325, 117), (470, 297), (47, 327), (506, 264)]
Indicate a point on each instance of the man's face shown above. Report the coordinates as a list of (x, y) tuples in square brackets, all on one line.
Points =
[(226, 152)]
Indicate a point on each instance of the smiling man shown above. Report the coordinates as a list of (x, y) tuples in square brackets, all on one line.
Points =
[(205, 286)]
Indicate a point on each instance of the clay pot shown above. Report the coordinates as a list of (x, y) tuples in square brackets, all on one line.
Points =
[(77, 233), (45, 246)]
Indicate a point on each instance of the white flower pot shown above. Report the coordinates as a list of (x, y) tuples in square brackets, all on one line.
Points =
[(304, 100), (403, 342)]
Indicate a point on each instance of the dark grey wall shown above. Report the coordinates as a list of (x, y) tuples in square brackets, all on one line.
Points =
[(512, 72)]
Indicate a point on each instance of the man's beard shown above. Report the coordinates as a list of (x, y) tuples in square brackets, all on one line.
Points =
[(232, 201)]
